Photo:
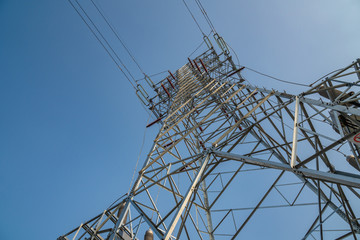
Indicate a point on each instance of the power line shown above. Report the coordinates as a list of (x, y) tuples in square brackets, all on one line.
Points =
[(237, 58), (152, 75), (97, 29), (117, 36), (116, 201), (137, 162), (99, 40), (310, 85), (277, 79), (187, 7), (207, 18), (197, 48), (325, 76)]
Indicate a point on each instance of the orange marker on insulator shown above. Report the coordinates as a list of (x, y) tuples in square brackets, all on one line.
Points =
[(182, 169), (165, 146), (224, 111), (170, 83), (172, 75), (235, 72), (203, 65), (197, 66), (157, 120), (240, 128), (165, 90), (192, 65), (201, 144)]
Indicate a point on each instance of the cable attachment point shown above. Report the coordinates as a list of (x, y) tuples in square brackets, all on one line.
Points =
[(208, 42), (142, 95), (222, 44), (149, 81)]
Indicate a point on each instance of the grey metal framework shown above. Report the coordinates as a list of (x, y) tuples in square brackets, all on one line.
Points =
[(226, 151)]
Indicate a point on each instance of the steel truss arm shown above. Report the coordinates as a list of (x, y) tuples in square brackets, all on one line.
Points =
[(304, 172)]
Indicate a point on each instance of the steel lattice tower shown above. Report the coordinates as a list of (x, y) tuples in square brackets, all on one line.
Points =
[(301, 150)]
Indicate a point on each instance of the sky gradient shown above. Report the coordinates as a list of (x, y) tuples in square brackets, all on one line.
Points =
[(71, 126)]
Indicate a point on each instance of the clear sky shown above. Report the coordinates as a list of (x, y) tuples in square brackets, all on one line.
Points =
[(71, 126)]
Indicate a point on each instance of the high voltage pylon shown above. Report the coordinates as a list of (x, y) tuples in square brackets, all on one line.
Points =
[(226, 150)]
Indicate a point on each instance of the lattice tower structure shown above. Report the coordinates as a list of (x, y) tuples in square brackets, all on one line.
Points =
[(228, 151)]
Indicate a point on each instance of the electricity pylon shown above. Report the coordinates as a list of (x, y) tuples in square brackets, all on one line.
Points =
[(228, 150)]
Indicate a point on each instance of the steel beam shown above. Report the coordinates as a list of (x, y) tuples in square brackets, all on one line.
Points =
[(186, 198), (304, 172), (295, 134)]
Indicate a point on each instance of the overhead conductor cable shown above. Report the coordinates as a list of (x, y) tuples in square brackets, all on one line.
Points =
[(99, 40)]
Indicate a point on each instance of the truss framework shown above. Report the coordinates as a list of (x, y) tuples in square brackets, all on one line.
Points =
[(216, 130)]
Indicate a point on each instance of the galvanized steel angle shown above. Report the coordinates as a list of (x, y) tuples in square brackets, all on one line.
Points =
[(148, 220), (204, 119), (190, 99), (242, 118), (177, 170)]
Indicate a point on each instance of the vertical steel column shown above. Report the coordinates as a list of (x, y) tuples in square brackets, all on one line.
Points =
[(295, 134), (208, 214), (186, 198)]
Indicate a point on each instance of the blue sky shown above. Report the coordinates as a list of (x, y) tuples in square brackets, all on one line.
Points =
[(71, 126)]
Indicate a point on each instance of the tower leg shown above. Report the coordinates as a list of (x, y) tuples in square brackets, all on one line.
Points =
[(186, 198)]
